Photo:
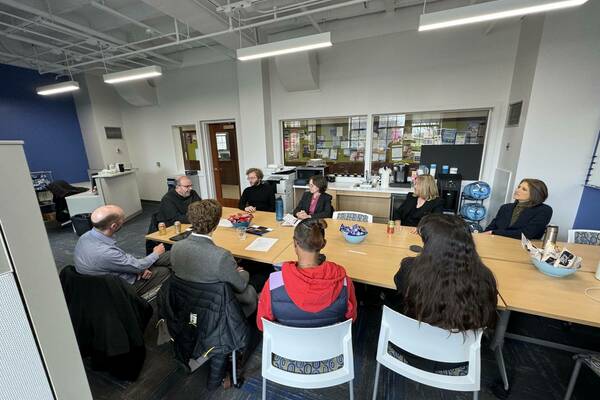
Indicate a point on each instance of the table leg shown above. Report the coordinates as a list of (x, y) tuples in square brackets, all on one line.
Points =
[(498, 343)]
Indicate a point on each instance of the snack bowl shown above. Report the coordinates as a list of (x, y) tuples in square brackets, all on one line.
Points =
[(354, 239), (240, 220), (551, 270), (354, 234)]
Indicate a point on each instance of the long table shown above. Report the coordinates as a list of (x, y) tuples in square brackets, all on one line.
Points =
[(376, 260)]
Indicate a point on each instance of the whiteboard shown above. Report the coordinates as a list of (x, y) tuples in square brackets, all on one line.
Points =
[(593, 178)]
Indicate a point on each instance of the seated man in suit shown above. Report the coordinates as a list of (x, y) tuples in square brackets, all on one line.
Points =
[(259, 196), (315, 203), (174, 204), (97, 253)]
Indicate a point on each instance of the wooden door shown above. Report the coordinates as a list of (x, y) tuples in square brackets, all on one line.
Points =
[(223, 146), (189, 145)]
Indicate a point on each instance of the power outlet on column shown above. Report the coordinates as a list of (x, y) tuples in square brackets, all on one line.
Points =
[(158, 164)]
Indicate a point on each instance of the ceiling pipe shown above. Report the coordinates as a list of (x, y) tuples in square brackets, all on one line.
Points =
[(229, 31), (118, 14), (76, 26)]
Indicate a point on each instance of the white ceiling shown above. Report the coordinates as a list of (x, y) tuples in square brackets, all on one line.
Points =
[(99, 35)]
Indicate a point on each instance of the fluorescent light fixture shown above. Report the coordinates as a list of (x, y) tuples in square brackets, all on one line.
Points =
[(295, 45), (133, 74), (63, 87), (489, 11)]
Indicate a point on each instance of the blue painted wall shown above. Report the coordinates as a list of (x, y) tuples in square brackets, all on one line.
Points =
[(48, 125), (588, 214)]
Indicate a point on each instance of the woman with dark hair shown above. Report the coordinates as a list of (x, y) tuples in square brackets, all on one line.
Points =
[(446, 285), (315, 203), (309, 292), (528, 215)]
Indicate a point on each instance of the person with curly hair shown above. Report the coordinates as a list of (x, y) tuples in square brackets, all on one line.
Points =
[(446, 285), (199, 259)]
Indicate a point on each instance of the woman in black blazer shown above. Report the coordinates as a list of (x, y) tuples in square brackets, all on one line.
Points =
[(425, 200), (315, 203), (528, 215)]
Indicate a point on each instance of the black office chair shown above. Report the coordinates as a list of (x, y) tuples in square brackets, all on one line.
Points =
[(60, 191), (109, 320)]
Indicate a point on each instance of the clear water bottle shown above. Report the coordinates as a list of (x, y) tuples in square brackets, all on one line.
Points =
[(279, 208)]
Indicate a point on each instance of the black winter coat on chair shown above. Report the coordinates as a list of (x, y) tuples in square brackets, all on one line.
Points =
[(109, 320), (203, 318)]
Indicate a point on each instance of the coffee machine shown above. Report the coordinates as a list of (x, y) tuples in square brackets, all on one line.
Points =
[(400, 173)]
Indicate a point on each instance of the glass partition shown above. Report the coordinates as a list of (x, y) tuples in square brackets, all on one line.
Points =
[(400, 138), (339, 141)]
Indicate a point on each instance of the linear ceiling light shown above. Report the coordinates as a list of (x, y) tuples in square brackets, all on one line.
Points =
[(63, 87), (295, 45), (133, 74), (489, 11)]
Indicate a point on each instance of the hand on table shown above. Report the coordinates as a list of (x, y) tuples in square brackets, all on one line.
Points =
[(250, 209), (159, 249), (302, 215), (147, 274), (239, 269), (487, 233)]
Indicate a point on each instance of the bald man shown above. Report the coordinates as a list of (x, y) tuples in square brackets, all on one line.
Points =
[(97, 253), (174, 204)]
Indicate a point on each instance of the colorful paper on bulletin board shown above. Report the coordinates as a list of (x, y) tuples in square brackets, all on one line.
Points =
[(345, 144), (383, 121), (324, 153), (396, 153), (340, 131), (347, 152), (333, 154), (396, 134), (306, 150)]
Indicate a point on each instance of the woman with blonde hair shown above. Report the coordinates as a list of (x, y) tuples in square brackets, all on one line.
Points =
[(423, 201)]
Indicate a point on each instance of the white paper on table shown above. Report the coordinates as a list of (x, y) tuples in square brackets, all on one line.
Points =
[(262, 244), (225, 223)]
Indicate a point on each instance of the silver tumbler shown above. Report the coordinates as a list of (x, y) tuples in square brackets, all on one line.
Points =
[(550, 235)]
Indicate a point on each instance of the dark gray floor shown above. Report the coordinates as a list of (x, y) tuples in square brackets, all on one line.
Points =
[(535, 372)]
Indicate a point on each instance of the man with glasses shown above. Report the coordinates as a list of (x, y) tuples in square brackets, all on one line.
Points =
[(174, 204), (259, 196)]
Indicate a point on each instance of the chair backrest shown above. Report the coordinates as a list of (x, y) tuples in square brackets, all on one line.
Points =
[(584, 236), (432, 343), (353, 216), (308, 345)]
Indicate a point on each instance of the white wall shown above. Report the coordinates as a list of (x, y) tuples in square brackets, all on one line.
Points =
[(185, 97), (407, 72), (98, 106), (522, 82), (564, 110)]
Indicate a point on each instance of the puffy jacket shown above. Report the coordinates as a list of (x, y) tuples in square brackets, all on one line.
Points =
[(203, 317), (316, 296)]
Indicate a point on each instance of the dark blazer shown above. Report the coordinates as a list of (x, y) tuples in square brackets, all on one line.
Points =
[(410, 215), (173, 207), (323, 209), (532, 221)]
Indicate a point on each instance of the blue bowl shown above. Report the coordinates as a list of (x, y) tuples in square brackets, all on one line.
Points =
[(551, 270), (241, 224), (354, 239)]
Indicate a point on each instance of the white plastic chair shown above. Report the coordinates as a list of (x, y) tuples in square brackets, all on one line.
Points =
[(429, 342), (584, 236), (309, 345), (353, 216)]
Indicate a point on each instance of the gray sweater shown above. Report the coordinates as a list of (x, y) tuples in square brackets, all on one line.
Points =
[(198, 259)]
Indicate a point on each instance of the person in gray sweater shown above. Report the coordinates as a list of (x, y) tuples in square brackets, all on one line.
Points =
[(198, 259)]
